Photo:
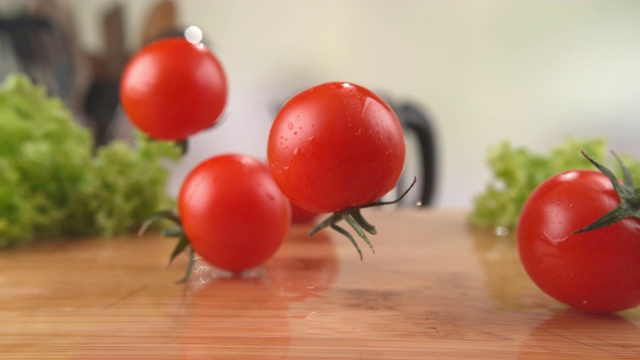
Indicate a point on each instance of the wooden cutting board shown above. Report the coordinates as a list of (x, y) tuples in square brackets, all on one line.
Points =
[(434, 289)]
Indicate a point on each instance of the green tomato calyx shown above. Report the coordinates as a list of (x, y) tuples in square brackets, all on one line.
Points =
[(629, 206), (356, 221), (183, 242)]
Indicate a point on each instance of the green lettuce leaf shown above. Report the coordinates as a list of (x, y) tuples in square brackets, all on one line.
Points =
[(54, 183), (516, 171)]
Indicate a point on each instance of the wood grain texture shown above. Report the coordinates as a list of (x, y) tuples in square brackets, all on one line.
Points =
[(433, 289)]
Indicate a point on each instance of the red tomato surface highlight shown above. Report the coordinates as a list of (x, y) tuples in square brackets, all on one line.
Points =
[(232, 212), (336, 146), (594, 271), (172, 89)]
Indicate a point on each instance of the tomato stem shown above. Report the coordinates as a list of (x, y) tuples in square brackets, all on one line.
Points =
[(629, 196), (358, 228), (344, 232), (183, 242), (391, 202), (356, 221), (165, 214), (357, 216), (183, 145), (192, 261)]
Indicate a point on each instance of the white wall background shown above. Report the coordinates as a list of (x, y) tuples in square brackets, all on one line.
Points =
[(531, 71)]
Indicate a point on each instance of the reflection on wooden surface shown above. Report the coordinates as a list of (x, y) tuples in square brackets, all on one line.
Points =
[(498, 257), (569, 334), (434, 288)]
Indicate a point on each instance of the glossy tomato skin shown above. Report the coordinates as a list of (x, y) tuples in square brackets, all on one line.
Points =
[(594, 271), (335, 146), (172, 89), (232, 212), (302, 216)]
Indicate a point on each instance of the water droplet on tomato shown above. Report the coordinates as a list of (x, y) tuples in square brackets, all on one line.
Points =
[(289, 125)]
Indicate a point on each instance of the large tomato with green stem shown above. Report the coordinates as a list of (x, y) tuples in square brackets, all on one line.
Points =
[(173, 88), (579, 239), (231, 213), (336, 148)]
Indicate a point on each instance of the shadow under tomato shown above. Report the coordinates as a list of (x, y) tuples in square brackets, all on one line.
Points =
[(506, 280), (304, 266), (571, 334), (247, 315), (235, 317)]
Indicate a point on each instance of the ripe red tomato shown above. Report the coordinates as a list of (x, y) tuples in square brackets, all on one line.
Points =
[(172, 89), (594, 271), (302, 216), (335, 146), (232, 212)]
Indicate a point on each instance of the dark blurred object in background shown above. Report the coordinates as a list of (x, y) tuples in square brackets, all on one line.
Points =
[(413, 117), (39, 38), (101, 103), (422, 154), (161, 22), (39, 41)]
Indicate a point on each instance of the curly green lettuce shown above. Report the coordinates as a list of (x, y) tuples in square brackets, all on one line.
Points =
[(517, 171), (54, 182)]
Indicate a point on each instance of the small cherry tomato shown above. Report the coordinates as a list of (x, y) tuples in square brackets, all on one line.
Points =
[(302, 216), (232, 212), (336, 146), (172, 89), (593, 271)]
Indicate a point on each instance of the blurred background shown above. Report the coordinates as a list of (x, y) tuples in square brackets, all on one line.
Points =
[(533, 72)]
